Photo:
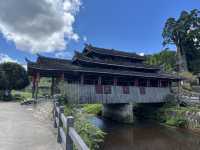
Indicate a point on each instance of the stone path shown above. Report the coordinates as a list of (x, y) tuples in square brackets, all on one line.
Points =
[(26, 127)]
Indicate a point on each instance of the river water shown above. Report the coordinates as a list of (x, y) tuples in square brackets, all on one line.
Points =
[(145, 135)]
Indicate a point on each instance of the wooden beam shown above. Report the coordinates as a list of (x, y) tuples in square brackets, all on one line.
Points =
[(82, 79), (99, 80)]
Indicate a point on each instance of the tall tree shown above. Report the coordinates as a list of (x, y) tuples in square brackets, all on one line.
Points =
[(12, 77), (185, 34)]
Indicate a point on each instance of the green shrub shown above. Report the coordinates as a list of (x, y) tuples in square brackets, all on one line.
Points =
[(93, 108), (21, 95), (170, 100), (62, 100), (177, 121), (91, 135)]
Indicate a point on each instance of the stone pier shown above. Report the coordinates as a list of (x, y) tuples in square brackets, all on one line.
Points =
[(119, 112)]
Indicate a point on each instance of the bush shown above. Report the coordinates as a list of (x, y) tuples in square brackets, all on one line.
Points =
[(91, 135), (93, 108), (170, 100), (177, 121), (21, 95)]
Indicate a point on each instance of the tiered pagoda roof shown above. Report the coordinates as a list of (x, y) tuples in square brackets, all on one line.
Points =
[(86, 63), (111, 52)]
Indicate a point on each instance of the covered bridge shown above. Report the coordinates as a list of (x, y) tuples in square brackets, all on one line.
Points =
[(98, 75)]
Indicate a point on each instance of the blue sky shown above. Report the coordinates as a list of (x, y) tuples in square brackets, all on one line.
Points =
[(129, 25)]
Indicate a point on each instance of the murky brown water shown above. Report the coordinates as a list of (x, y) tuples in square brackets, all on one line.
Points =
[(146, 136)]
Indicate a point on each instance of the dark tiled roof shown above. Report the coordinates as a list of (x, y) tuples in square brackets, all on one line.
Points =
[(113, 52), (80, 57), (53, 64), (52, 61)]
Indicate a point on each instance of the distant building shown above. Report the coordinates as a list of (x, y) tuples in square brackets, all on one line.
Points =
[(99, 75)]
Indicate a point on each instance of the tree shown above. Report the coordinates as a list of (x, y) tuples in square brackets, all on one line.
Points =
[(12, 77), (185, 34), (165, 58)]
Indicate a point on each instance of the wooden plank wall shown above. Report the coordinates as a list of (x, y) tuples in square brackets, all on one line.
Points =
[(77, 93)]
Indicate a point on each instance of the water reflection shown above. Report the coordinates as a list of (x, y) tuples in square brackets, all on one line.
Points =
[(146, 136)]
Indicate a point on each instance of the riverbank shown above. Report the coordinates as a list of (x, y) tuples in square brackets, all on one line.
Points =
[(179, 116)]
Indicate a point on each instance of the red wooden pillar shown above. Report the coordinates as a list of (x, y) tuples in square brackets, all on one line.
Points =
[(136, 82), (159, 83), (33, 85), (99, 80), (82, 79), (148, 83), (37, 83), (115, 81)]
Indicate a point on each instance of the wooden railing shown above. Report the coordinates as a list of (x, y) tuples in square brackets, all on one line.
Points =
[(67, 135)]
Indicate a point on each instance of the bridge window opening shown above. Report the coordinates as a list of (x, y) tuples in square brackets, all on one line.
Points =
[(125, 89), (107, 89), (107, 81), (99, 89), (142, 82), (132, 82), (153, 83), (123, 81), (90, 80), (164, 83)]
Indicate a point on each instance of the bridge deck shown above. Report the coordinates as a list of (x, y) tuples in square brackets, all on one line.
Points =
[(77, 93)]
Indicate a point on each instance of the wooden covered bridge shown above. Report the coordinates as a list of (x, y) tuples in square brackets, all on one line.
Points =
[(98, 75)]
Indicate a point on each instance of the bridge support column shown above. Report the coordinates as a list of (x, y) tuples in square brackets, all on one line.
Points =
[(119, 112)]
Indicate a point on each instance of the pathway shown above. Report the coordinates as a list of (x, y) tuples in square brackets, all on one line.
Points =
[(26, 128)]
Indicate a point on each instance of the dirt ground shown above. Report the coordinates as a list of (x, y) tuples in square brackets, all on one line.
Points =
[(27, 127)]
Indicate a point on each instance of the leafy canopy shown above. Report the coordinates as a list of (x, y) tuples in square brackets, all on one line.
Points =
[(185, 34), (165, 58), (13, 76)]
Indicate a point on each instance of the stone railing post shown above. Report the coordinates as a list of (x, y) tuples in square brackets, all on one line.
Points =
[(61, 110), (55, 113), (69, 142)]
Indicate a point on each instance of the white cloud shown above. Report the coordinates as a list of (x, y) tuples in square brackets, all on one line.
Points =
[(85, 39), (39, 25), (141, 54), (6, 58)]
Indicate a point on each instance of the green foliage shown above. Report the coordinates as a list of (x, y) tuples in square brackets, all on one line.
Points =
[(92, 135), (13, 77), (92, 108), (177, 121), (165, 58), (174, 115), (170, 101), (21, 95), (62, 100), (184, 33)]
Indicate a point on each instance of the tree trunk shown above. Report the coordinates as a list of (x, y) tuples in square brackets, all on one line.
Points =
[(181, 58)]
